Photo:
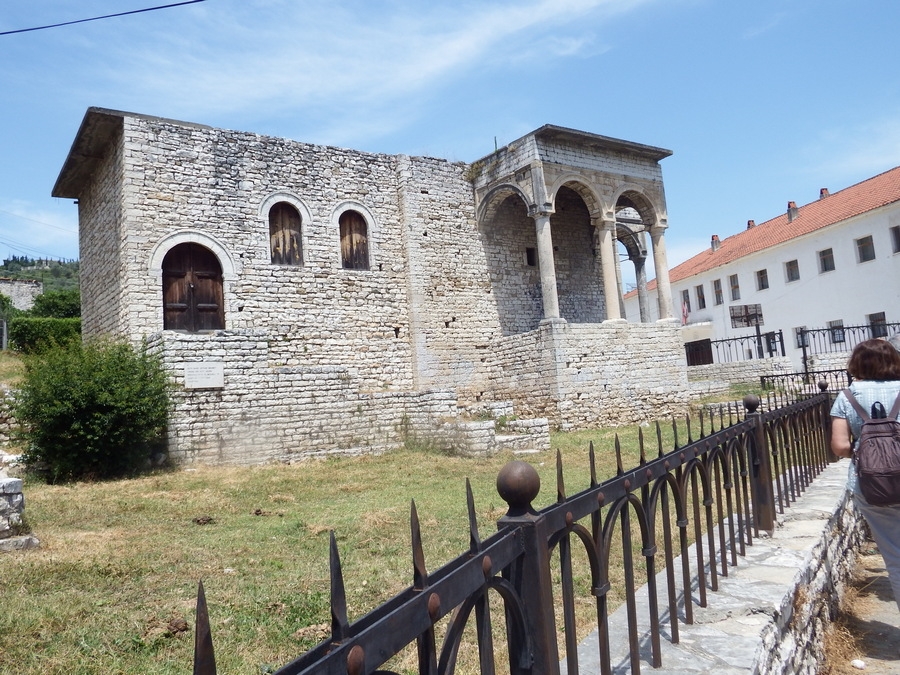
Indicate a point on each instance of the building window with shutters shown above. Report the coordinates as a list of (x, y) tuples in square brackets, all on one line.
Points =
[(193, 297), (762, 279), (284, 235), (354, 241), (717, 291), (701, 297)]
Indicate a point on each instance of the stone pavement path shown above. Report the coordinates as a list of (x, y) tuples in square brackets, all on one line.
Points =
[(873, 617)]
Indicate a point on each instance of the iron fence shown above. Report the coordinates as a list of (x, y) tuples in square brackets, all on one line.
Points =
[(837, 338), (799, 384), (730, 350), (711, 496)]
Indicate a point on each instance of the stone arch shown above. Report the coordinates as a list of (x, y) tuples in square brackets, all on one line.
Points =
[(632, 235), (576, 183), (372, 230), (576, 252), (635, 197), (487, 210), (230, 269)]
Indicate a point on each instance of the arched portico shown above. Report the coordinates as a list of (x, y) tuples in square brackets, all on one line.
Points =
[(608, 175)]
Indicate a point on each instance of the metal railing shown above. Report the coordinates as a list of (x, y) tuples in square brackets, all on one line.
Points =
[(799, 384), (837, 339), (711, 496), (734, 349)]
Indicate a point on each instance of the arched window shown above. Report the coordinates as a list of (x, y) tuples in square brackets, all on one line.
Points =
[(284, 235), (354, 241), (192, 289)]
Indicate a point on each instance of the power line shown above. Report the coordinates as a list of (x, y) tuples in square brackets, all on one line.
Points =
[(39, 222), (97, 18)]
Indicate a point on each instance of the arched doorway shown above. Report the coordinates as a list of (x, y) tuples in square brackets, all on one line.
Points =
[(192, 289)]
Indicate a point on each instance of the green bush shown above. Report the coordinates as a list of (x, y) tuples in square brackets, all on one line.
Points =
[(95, 410), (58, 304), (31, 335)]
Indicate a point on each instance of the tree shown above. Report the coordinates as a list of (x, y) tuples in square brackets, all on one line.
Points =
[(58, 304)]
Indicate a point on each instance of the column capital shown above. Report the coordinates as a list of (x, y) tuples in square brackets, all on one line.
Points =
[(540, 210), (659, 227), (602, 223)]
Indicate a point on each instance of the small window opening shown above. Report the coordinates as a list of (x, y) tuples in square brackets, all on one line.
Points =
[(531, 257), (354, 241), (284, 235)]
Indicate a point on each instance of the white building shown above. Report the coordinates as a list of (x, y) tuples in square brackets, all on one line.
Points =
[(833, 262)]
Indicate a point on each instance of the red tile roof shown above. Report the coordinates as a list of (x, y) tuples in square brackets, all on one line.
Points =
[(870, 194)]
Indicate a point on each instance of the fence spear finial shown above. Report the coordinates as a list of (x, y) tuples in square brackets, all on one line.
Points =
[(339, 622), (474, 538), (560, 483), (204, 656), (420, 574), (593, 462)]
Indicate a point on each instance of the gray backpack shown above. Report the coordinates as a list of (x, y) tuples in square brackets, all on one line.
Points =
[(877, 456)]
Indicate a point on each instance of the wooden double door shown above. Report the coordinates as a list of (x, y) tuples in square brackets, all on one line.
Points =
[(193, 299)]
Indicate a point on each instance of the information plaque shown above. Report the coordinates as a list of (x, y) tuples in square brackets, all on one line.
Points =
[(204, 375)]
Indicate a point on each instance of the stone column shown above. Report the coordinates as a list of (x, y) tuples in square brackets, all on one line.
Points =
[(546, 265), (640, 275), (661, 265), (606, 229)]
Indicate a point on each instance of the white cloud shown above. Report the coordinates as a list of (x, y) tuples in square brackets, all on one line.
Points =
[(857, 152), (286, 56)]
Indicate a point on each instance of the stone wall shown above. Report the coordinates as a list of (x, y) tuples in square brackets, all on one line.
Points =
[(834, 361), (589, 375), (22, 292), (14, 531), (741, 371), (270, 412)]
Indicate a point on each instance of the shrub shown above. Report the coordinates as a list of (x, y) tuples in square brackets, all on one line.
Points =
[(95, 410), (58, 304), (31, 335)]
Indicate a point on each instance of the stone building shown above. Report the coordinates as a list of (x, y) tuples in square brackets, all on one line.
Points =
[(312, 299)]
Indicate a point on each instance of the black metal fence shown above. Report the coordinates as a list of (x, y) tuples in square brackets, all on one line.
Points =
[(838, 338), (798, 384), (711, 496), (730, 350)]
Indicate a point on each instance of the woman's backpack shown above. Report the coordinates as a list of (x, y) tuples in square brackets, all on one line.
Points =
[(877, 455)]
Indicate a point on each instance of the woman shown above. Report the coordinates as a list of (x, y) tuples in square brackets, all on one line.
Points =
[(875, 368)]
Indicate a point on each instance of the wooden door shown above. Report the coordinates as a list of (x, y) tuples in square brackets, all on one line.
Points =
[(192, 290)]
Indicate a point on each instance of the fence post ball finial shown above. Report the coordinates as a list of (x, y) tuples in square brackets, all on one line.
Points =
[(751, 402), (518, 484)]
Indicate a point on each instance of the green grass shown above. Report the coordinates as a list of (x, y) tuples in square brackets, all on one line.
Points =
[(119, 561)]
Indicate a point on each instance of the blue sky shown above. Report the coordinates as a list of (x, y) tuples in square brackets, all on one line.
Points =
[(761, 102)]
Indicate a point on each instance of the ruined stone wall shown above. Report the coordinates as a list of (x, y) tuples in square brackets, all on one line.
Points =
[(22, 292), (452, 304)]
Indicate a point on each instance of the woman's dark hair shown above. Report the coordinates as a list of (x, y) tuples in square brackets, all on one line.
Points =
[(874, 360)]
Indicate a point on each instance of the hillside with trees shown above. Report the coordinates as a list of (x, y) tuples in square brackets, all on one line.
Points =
[(56, 275)]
